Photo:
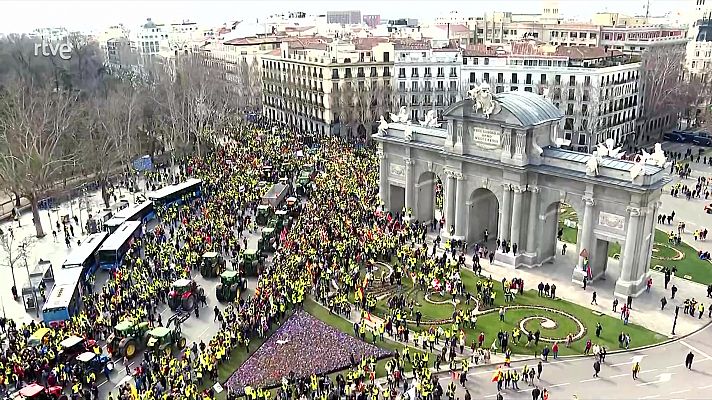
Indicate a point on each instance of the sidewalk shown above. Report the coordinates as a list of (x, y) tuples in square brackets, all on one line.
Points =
[(45, 248)]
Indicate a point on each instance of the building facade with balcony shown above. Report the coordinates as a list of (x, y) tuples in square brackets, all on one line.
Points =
[(597, 90), (426, 78), (699, 48), (298, 80)]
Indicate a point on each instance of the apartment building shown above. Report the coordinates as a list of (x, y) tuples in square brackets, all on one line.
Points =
[(596, 89), (350, 17), (426, 78), (167, 40), (298, 79), (699, 49)]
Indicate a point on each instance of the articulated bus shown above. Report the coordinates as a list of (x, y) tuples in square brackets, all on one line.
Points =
[(168, 195), (84, 256), (112, 252)]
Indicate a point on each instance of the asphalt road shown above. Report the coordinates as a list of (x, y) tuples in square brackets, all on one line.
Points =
[(663, 375), (193, 329)]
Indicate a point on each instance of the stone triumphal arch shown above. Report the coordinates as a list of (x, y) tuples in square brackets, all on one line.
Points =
[(502, 170)]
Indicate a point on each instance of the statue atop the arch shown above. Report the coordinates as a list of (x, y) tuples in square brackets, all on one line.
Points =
[(484, 100), (431, 120), (592, 164), (609, 149), (657, 158), (401, 117), (383, 126)]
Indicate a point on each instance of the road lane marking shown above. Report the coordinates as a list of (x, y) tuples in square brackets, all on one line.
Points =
[(705, 387), (618, 376), (648, 370), (674, 366), (203, 332), (689, 346), (559, 384), (619, 364), (650, 397), (680, 391), (589, 380)]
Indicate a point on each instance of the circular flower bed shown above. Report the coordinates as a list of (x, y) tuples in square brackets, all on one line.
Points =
[(549, 320), (666, 252)]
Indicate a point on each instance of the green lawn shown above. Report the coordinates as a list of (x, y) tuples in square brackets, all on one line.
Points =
[(490, 324), (690, 267)]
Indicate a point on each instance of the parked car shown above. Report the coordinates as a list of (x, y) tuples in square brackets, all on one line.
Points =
[(674, 137), (701, 140)]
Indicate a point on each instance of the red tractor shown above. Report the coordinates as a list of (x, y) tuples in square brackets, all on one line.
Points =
[(39, 392), (184, 294)]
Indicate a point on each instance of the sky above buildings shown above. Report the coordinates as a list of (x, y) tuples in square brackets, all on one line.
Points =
[(92, 16)]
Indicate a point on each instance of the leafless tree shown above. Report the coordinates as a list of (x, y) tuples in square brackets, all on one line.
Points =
[(665, 93), (13, 251), (33, 125), (109, 140)]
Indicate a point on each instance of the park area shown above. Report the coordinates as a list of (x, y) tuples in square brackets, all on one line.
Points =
[(553, 317), (682, 257)]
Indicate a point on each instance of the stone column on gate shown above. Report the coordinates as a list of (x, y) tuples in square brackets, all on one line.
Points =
[(651, 213), (449, 200), (383, 178), (626, 284), (586, 232), (409, 188), (533, 218), (516, 217), (505, 215), (460, 207)]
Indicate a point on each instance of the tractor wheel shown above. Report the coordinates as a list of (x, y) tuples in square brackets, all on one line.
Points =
[(234, 291), (167, 351), (182, 342), (129, 349), (188, 303), (219, 292), (173, 303), (204, 271)]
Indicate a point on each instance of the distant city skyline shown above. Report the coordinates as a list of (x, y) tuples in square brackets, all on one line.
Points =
[(93, 16)]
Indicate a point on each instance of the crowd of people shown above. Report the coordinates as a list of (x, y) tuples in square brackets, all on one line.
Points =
[(340, 231)]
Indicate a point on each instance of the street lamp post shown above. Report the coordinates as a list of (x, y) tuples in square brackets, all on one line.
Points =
[(674, 321), (81, 200)]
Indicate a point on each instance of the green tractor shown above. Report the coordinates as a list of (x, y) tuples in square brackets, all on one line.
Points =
[(230, 286), (128, 337), (211, 265), (268, 242), (163, 339), (264, 214), (277, 222), (251, 261), (306, 175)]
